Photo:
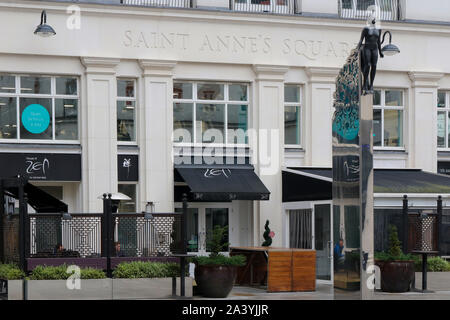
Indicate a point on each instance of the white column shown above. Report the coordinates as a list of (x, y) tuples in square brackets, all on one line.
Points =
[(156, 142), (99, 131), (319, 114), (422, 138), (268, 150)]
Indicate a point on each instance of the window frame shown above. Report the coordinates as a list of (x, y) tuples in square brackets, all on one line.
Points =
[(135, 100), (446, 110), (226, 102), (294, 104), (52, 96), (383, 107), (136, 184)]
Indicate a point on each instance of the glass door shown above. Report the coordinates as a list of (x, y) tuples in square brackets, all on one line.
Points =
[(216, 217), (322, 241), (201, 220)]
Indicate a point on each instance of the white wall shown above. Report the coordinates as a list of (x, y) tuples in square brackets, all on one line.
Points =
[(435, 10)]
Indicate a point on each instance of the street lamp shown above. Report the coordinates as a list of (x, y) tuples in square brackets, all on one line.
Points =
[(389, 49), (44, 30)]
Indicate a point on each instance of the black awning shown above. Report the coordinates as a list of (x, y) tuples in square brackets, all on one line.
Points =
[(38, 199), (303, 184), (223, 183)]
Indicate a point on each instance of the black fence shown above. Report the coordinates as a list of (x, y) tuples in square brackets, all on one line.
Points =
[(80, 234), (269, 6), (160, 3), (387, 10), (410, 236)]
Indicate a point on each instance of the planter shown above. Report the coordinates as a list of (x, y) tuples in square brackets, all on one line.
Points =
[(15, 289), (97, 289), (396, 276), (156, 288), (215, 281), (92, 289)]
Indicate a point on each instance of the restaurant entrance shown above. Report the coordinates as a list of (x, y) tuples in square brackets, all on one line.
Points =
[(309, 225)]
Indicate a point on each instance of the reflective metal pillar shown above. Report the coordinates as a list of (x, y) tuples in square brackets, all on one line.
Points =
[(352, 182)]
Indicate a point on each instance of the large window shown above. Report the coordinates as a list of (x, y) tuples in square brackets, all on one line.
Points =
[(388, 107), (292, 115), (210, 113), (38, 108), (126, 110), (443, 120)]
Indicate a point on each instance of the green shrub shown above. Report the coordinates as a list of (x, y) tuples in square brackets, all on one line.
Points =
[(216, 244), (140, 269), (59, 273), (435, 264), (395, 250), (11, 272), (220, 260), (92, 273)]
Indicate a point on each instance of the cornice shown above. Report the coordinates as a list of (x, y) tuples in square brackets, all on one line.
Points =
[(322, 75), (425, 78), (157, 68), (270, 72), (100, 65)]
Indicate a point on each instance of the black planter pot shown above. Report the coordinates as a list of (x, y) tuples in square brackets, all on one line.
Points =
[(215, 281), (396, 276)]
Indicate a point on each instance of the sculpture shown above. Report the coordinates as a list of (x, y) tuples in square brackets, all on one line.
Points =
[(371, 34), (267, 235)]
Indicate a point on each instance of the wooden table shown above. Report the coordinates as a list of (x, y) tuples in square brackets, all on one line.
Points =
[(281, 269)]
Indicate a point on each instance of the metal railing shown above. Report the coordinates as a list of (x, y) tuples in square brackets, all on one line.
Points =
[(253, 6), (269, 6), (388, 10), (160, 3)]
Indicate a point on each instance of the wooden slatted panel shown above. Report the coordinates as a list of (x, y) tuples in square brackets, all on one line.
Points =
[(303, 270), (279, 271)]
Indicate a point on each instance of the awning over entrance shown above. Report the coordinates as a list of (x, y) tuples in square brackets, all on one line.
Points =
[(303, 184), (223, 183), (38, 199)]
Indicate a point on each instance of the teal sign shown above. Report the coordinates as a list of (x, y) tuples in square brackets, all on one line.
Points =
[(35, 118)]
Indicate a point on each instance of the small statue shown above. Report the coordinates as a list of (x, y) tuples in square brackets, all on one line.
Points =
[(369, 51), (267, 235)]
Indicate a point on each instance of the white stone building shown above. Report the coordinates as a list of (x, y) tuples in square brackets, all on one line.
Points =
[(118, 78)]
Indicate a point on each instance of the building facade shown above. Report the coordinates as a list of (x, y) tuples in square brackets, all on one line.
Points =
[(119, 79)]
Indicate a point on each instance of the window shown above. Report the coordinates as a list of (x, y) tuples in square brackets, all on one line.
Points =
[(38, 108), (129, 190), (388, 106), (126, 110), (443, 120), (292, 115), (359, 8), (210, 113)]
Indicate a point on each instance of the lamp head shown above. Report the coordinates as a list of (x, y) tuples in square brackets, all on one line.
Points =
[(389, 49), (43, 29)]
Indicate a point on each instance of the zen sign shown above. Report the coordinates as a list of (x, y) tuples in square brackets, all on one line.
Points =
[(41, 166)]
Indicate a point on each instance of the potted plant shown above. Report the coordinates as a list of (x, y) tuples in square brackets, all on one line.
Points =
[(397, 268), (215, 274)]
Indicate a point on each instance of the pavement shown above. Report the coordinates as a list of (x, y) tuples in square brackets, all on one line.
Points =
[(438, 286)]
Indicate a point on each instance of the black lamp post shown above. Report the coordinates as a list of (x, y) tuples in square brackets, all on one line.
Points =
[(44, 30)]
